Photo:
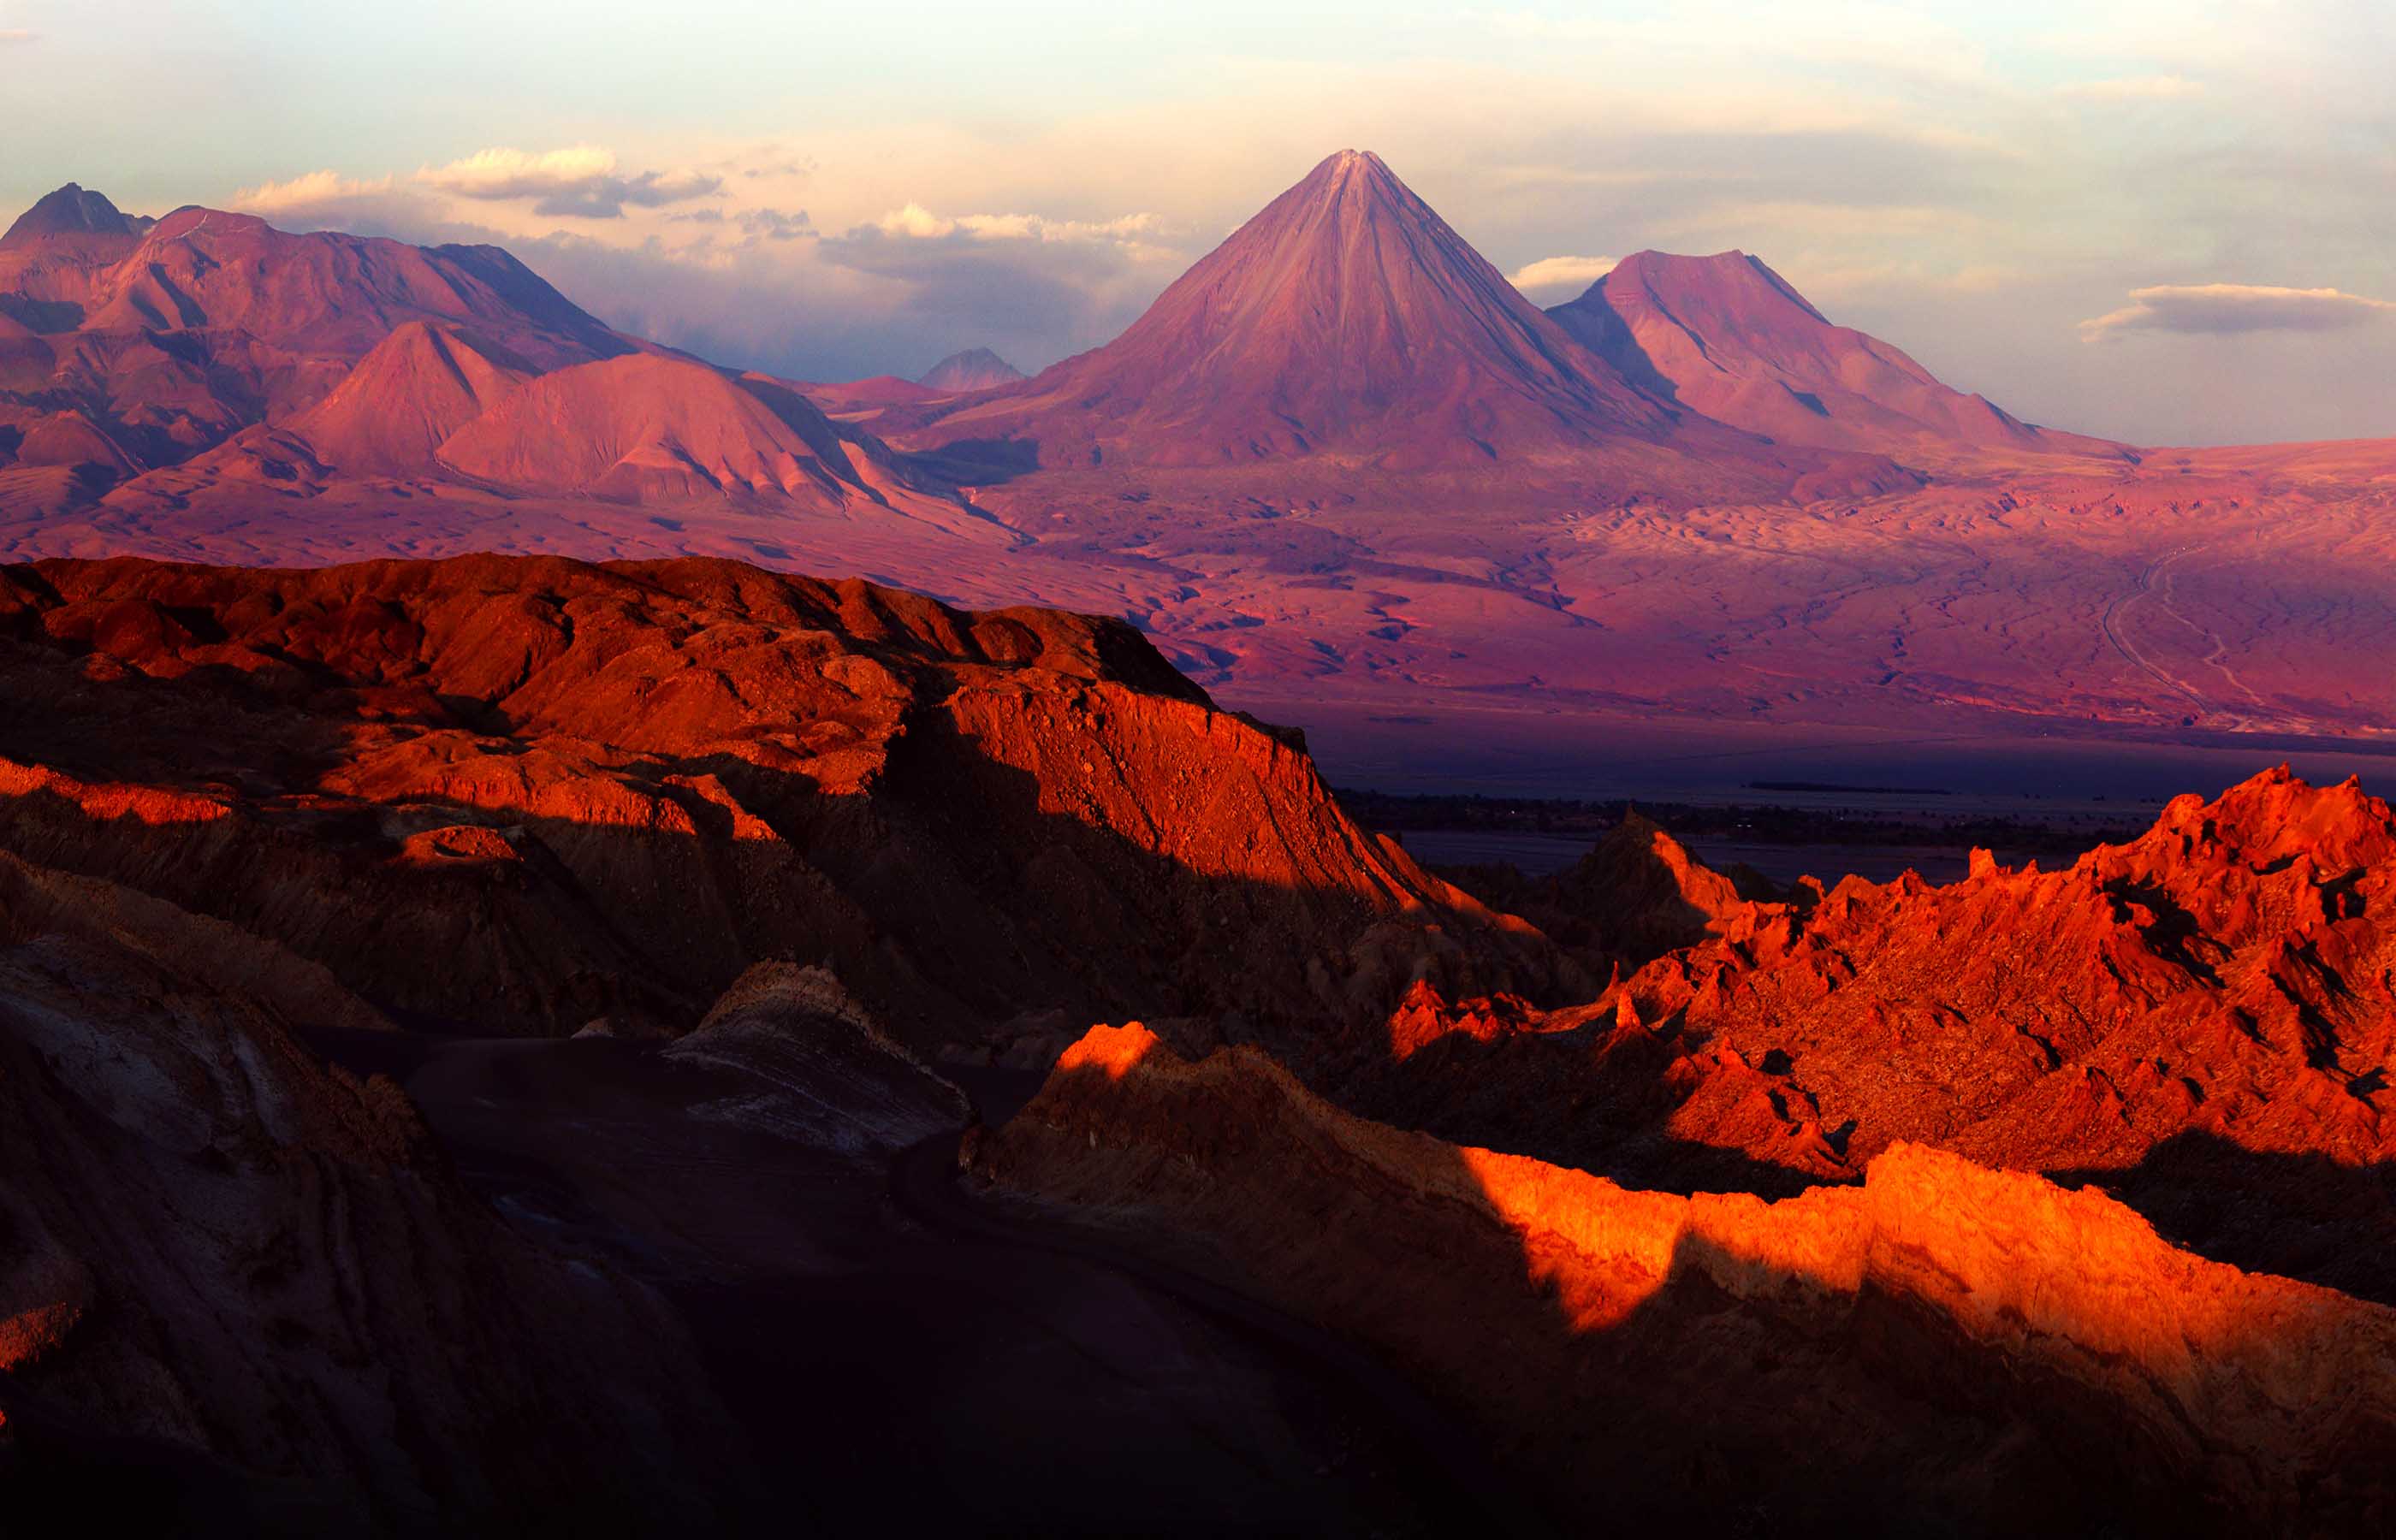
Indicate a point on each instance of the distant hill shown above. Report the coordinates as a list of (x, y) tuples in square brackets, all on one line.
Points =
[(973, 369)]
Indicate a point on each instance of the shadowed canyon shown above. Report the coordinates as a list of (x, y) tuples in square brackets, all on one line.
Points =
[(595, 943)]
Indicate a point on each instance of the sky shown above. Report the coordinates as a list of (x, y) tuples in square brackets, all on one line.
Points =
[(2169, 223)]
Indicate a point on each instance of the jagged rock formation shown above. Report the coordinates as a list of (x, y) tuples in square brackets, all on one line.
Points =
[(607, 791), (1945, 1348), (1637, 894), (2202, 1019), (211, 1245)]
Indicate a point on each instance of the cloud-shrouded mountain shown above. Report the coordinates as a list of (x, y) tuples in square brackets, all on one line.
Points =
[(1726, 336)]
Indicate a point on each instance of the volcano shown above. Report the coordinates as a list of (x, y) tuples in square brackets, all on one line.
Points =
[(1346, 320), (973, 369), (1730, 337)]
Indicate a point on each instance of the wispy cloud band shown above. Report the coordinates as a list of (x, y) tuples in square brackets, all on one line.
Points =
[(2221, 310)]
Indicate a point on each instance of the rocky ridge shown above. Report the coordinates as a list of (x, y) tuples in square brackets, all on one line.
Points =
[(1994, 1352)]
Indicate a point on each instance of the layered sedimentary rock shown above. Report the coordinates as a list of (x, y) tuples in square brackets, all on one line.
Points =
[(1944, 1347), (605, 792), (2203, 1018), (240, 1291), (830, 1076)]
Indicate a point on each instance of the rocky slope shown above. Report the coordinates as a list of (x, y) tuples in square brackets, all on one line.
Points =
[(2201, 1020), (241, 367), (390, 416), (650, 430), (1364, 485), (1346, 319), (1636, 895), (1944, 1347), (1728, 337), (241, 1292), (604, 791), (170, 335)]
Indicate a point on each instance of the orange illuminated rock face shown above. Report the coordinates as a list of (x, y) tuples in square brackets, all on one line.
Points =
[(1992, 1351), (607, 791), (2207, 1009)]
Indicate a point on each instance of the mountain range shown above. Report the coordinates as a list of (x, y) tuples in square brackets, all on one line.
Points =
[(1340, 462), (499, 1042)]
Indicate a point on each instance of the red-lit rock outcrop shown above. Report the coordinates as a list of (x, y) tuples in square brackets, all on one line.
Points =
[(596, 791), (2203, 1018), (1943, 1347)]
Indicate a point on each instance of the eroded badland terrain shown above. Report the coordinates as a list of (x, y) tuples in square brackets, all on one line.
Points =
[(520, 1013)]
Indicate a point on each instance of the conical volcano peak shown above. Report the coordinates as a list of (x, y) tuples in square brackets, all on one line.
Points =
[(1358, 178), (1344, 164), (1346, 319)]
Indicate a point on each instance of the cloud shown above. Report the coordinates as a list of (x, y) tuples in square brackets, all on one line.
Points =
[(2218, 310), (775, 225), (1555, 274), (16, 35), (758, 224), (914, 222), (2167, 88), (312, 193), (837, 307), (327, 200), (578, 183)]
